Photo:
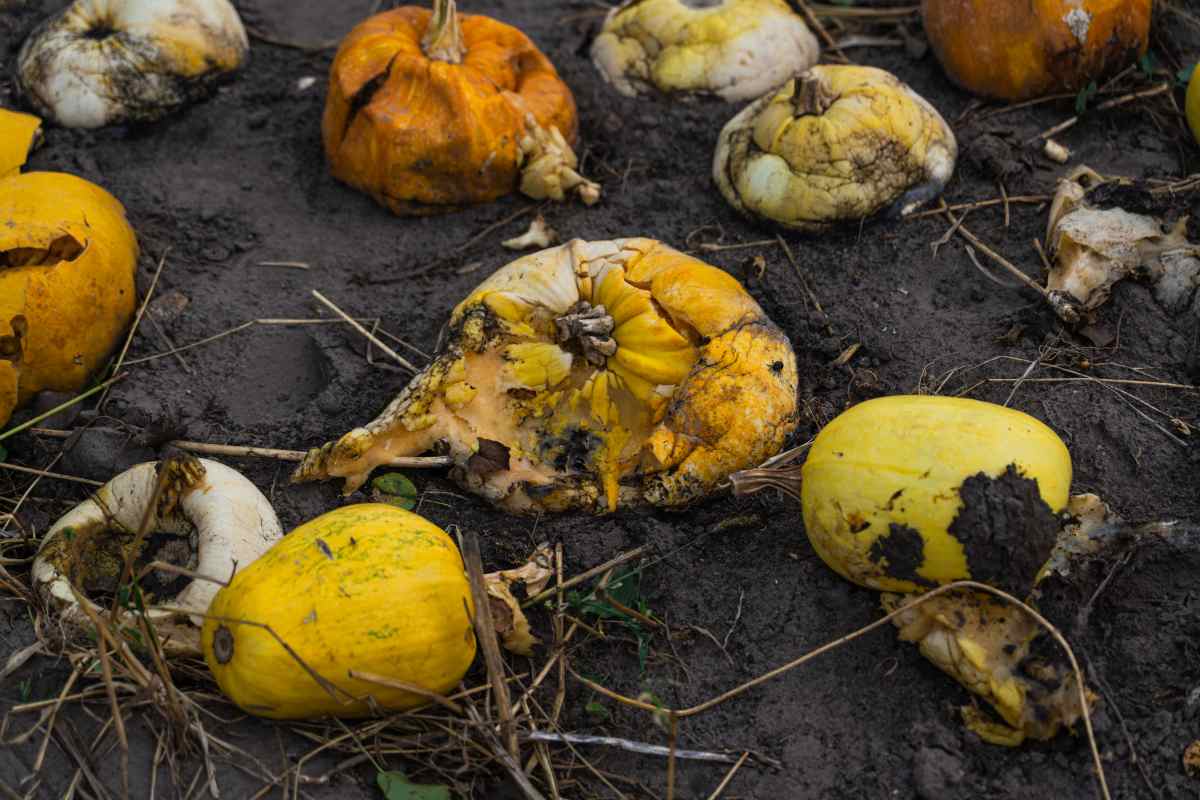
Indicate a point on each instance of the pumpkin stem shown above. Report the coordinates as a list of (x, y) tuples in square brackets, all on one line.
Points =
[(812, 95), (590, 327), (443, 38), (222, 644), (786, 479)]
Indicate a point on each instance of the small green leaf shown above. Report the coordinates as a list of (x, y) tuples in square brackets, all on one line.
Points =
[(1085, 95), (597, 711), (26, 687), (395, 488), (1184, 76), (1148, 63), (395, 786)]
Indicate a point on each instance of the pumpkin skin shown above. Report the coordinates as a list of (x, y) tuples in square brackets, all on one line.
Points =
[(67, 263), (366, 587), (684, 381), (1018, 49), (883, 493), (1192, 107), (421, 134)]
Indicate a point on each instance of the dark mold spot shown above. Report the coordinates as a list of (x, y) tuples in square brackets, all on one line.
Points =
[(492, 456), (777, 367), (1006, 529), (904, 551)]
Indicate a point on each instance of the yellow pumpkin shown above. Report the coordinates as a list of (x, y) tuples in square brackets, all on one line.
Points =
[(67, 263), (1017, 49), (1193, 103), (371, 588), (587, 375), (903, 493)]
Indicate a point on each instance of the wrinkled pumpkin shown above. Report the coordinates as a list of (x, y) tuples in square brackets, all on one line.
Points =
[(371, 588), (590, 375), (102, 62), (430, 111), (735, 49), (1019, 50), (67, 263), (835, 144)]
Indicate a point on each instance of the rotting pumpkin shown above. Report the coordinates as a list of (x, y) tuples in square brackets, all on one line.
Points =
[(590, 375), (997, 50), (370, 588), (67, 263), (429, 112)]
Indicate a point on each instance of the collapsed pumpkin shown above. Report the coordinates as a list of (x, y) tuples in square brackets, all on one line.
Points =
[(590, 375), (1000, 51), (432, 111), (102, 62), (67, 263), (205, 509), (835, 144), (735, 49)]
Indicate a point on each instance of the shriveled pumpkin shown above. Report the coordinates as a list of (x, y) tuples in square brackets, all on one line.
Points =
[(371, 588), (67, 263), (1019, 50), (590, 375), (430, 111)]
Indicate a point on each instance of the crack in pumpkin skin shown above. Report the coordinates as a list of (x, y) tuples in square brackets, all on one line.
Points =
[(701, 383)]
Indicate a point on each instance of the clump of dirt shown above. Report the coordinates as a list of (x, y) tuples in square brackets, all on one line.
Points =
[(1006, 529), (904, 550)]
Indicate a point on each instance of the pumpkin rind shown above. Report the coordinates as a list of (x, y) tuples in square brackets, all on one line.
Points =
[(1019, 50), (367, 587), (673, 379), (67, 263), (1192, 106), (419, 134), (890, 471)]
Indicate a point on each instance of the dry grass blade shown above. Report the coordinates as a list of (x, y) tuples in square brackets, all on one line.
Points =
[(588, 574), (393, 683), (58, 476), (78, 398), (399, 359), (631, 746), (137, 320), (728, 777), (485, 632)]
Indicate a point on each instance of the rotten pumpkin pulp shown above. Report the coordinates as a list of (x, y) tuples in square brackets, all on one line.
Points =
[(590, 375), (430, 111)]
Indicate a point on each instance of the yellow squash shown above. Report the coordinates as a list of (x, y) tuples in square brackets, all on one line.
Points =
[(903, 493), (370, 588), (1193, 102), (67, 263), (590, 375)]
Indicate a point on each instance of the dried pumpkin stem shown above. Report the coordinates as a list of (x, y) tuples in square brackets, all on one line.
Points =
[(443, 38), (812, 95), (590, 327), (749, 481)]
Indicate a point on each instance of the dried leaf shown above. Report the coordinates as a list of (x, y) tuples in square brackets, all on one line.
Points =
[(511, 623)]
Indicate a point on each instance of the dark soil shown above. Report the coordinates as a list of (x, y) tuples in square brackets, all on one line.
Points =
[(240, 179)]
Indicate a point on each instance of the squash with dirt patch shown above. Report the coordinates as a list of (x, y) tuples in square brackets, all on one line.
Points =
[(905, 493), (368, 588)]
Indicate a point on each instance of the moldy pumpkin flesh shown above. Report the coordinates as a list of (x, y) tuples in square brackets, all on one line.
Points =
[(590, 375), (904, 493), (67, 263), (369, 587), (1017, 51), (429, 111), (835, 144), (735, 49)]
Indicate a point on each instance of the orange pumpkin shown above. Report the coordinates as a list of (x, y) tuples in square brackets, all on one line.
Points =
[(1018, 49), (435, 110)]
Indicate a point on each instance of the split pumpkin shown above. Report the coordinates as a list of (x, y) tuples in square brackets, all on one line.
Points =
[(67, 263), (370, 588), (1015, 51), (430, 111), (590, 375)]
